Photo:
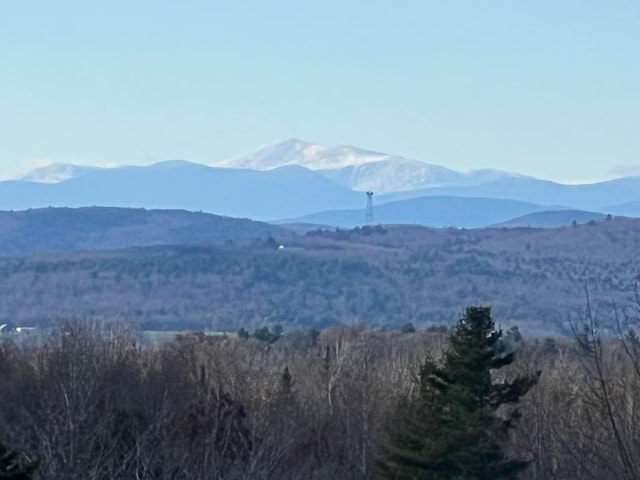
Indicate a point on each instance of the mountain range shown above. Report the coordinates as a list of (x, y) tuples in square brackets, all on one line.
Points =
[(304, 182)]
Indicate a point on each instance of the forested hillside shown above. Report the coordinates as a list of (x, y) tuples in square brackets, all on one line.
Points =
[(381, 278), (47, 230)]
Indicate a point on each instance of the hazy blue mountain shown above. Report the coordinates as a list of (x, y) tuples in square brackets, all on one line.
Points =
[(436, 211), (628, 209), (282, 192), (294, 178), (552, 219), (582, 197), (99, 228)]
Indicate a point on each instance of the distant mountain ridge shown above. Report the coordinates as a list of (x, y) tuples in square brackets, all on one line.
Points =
[(50, 230), (295, 179), (590, 196), (261, 195)]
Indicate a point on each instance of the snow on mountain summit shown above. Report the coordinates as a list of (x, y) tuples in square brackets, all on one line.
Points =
[(359, 169), (304, 154)]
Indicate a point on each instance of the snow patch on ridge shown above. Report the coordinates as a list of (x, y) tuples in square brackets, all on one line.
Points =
[(56, 173)]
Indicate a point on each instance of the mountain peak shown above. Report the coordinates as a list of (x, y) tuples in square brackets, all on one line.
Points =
[(356, 168), (309, 155)]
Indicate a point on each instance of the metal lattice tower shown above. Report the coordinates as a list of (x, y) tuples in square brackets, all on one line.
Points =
[(369, 215)]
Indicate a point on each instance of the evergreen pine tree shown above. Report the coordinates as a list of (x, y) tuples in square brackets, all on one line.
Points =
[(452, 429)]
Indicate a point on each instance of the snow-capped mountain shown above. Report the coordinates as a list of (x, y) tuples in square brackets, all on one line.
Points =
[(360, 169), (57, 172), (304, 154)]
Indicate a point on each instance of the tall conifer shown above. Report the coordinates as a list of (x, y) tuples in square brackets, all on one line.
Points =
[(453, 430)]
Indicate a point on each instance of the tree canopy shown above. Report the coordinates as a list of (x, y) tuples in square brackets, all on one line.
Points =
[(454, 427)]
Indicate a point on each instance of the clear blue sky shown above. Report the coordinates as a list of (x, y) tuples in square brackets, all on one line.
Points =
[(543, 87)]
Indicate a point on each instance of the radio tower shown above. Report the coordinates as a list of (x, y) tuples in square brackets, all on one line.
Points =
[(369, 216)]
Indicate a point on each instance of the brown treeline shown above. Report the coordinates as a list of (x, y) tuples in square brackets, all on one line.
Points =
[(94, 402)]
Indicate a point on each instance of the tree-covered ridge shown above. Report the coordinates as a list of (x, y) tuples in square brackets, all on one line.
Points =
[(47, 230), (382, 277)]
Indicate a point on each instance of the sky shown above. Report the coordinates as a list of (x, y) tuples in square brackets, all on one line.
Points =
[(549, 88)]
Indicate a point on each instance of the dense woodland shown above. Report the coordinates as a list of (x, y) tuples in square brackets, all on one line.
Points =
[(381, 277), (93, 401)]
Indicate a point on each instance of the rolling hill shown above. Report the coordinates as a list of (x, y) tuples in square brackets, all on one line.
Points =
[(436, 211), (98, 228), (553, 219)]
